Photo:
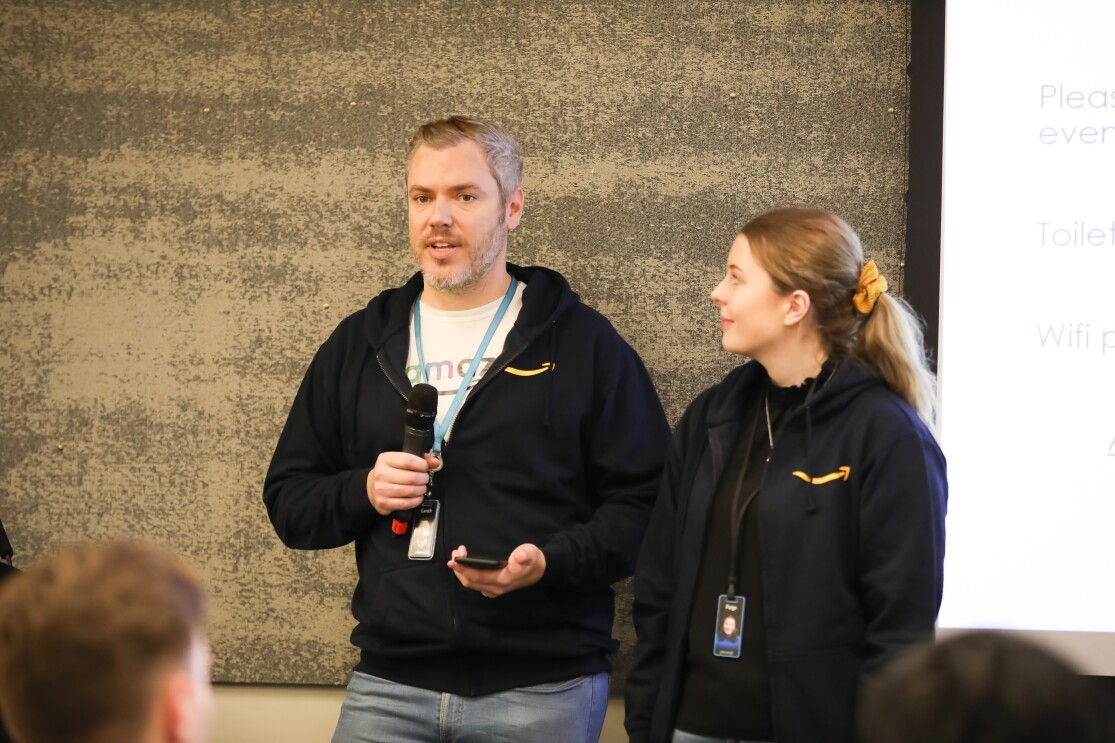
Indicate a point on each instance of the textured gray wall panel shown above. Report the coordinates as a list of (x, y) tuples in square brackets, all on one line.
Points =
[(193, 194)]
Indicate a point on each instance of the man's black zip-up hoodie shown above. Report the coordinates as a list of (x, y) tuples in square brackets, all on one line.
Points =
[(851, 523), (561, 444)]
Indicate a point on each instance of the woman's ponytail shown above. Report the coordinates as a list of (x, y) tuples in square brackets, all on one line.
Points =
[(891, 341)]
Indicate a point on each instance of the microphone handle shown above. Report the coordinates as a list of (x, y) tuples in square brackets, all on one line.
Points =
[(416, 441)]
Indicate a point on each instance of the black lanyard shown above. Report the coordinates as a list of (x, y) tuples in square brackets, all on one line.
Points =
[(737, 510)]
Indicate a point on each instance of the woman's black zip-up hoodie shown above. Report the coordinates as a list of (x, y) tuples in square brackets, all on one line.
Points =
[(852, 543), (560, 444)]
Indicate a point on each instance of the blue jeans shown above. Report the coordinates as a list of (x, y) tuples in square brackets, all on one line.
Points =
[(680, 736), (380, 711)]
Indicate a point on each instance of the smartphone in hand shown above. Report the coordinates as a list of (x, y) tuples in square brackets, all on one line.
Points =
[(481, 563)]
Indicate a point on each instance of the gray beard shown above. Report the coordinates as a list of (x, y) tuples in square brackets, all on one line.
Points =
[(479, 265)]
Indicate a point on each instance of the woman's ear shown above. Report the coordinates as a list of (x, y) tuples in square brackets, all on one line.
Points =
[(798, 307)]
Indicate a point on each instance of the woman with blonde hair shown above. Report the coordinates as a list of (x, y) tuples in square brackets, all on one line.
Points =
[(805, 493)]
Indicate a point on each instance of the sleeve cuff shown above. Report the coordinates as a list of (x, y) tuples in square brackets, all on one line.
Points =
[(355, 505), (557, 566)]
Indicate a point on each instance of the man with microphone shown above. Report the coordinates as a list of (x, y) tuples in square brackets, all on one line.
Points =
[(484, 608)]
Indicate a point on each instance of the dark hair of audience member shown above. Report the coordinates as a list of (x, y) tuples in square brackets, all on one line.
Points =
[(982, 687)]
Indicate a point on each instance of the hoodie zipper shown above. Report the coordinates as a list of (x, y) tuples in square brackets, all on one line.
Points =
[(391, 378), (489, 374), (450, 606)]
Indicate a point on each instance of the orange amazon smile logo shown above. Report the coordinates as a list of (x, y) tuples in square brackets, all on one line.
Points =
[(531, 372), (840, 474)]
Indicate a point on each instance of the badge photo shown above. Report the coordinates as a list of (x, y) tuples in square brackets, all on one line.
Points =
[(728, 634)]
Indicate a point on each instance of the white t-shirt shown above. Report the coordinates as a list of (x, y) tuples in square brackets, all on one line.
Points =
[(449, 341)]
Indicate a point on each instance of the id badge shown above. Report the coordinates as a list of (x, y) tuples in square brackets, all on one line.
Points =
[(423, 536), (728, 634)]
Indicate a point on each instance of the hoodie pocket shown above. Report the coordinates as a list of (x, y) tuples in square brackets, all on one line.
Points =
[(407, 610)]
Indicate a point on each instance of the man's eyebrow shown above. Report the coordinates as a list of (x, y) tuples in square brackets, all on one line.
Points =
[(457, 188)]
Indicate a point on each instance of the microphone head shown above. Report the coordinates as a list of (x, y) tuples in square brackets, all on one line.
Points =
[(422, 406)]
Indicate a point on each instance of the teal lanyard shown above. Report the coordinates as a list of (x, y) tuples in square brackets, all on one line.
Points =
[(440, 429)]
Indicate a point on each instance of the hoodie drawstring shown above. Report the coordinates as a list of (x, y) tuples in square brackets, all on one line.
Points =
[(810, 496), (550, 375)]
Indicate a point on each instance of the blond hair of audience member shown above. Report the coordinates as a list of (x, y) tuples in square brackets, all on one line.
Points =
[(105, 644), (982, 687), (816, 251)]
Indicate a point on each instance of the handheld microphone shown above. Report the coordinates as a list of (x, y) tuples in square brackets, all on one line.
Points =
[(418, 437)]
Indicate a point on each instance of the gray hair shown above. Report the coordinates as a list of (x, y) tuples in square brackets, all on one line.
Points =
[(502, 151)]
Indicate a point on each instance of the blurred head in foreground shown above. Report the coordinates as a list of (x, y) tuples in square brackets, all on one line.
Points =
[(982, 687), (105, 643)]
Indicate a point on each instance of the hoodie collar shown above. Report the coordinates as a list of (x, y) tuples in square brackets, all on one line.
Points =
[(547, 296), (744, 382)]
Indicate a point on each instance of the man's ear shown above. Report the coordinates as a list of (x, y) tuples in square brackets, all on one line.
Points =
[(514, 208), (174, 706), (798, 307)]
